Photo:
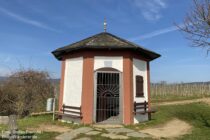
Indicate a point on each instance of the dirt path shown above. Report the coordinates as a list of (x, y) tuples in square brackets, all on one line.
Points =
[(170, 129), (205, 100)]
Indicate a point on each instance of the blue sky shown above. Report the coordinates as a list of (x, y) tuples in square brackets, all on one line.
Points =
[(31, 29)]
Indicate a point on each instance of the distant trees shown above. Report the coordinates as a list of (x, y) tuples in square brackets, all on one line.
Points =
[(197, 24), (25, 91)]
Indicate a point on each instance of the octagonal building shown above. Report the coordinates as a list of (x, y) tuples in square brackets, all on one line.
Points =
[(104, 79)]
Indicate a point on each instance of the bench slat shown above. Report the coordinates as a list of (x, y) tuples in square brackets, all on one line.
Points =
[(72, 107), (69, 115), (143, 103), (140, 107), (69, 111), (144, 112)]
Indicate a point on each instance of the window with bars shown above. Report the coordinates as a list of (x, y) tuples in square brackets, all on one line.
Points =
[(139, 86)]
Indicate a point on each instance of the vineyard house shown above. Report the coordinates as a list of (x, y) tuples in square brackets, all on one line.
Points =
[(104, 79)]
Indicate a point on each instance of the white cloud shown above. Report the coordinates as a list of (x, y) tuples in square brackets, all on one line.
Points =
[(161, 3), (156, 33), (151, 9), (27, 21)]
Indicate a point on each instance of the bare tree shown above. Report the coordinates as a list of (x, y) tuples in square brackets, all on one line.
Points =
[(196, 24), (26, 91)]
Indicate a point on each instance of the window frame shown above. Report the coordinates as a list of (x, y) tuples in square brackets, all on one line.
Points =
[(139, 88)]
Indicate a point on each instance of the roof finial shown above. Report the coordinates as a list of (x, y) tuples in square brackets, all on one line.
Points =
[(105, 24)]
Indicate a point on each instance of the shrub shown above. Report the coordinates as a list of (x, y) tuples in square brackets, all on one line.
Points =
[(26, 91)]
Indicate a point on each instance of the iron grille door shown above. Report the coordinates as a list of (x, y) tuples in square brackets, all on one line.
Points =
[(108, 91)]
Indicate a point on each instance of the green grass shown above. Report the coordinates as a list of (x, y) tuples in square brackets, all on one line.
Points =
[(196, 114), (168, 97), (35, 121), (3, 127)]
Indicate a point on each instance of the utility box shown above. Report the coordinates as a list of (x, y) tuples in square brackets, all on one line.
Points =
[(49, 104)]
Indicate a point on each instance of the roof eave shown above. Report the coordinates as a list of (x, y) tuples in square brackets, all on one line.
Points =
[(150, 55)]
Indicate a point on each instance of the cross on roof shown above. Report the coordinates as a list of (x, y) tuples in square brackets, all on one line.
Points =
[(105, 24)]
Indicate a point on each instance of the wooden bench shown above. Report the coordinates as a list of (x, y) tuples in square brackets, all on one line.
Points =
[(142, 108), (70, 111)]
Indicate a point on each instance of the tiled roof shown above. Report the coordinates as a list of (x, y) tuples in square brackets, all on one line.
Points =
[(103, 41)]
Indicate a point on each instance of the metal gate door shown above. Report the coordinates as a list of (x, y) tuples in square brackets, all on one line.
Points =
[(108, 91)]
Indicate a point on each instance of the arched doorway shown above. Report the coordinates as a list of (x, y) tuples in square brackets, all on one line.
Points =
[(107, 87)]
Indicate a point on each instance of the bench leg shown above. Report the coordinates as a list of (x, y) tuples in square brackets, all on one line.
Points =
[(57, 117), (149, 116)]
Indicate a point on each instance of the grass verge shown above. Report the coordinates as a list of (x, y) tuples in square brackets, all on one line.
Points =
[(35, 122), (196, 114), (168, 98)]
